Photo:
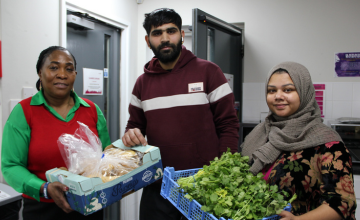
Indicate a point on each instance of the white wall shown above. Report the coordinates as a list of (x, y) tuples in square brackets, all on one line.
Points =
[(308, 32), (27, 28)]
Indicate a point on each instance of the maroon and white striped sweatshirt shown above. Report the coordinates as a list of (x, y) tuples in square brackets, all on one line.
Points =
[(188, 113)]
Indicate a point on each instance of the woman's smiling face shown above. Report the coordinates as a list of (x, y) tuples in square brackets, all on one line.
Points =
[(58, 74), (282, 97)]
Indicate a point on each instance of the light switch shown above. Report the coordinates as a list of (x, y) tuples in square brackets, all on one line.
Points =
[(13, 102), (27, 92)]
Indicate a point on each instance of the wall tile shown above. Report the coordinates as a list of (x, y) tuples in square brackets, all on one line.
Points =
[(342, 91), (263, 115), (251, 110), (356, 109), (356, 91), (251, 91), (328, 109), (264, 107), (326, 122), (341, 109), (262, 91), (328, 91)]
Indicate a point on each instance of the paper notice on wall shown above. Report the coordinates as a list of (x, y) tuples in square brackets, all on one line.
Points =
[(347, 64), (93, 81), (230, 79), (3, 195)]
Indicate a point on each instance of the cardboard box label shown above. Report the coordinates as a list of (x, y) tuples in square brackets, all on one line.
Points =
[(147, 176)]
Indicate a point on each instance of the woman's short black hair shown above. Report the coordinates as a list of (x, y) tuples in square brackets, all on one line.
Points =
[(161, 16), (42, 57)]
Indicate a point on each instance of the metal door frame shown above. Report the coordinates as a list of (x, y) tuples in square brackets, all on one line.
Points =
[(199, 48), (211, 20)]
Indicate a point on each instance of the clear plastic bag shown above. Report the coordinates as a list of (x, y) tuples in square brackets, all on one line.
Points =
[(82, 153)]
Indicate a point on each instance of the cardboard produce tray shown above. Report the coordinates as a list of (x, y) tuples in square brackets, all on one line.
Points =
[(88, 195), (171, 191)]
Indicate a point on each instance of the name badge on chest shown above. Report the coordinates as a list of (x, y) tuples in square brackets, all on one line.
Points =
[(196, 87)]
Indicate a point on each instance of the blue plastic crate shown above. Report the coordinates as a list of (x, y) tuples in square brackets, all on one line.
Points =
[(190, 209)]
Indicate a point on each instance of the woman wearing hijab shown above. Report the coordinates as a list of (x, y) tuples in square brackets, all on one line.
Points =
[(298, 153)]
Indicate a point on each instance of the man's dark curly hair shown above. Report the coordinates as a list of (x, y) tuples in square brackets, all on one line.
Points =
[(161, 16)]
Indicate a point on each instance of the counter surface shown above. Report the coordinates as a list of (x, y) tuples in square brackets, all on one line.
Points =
[(8, 194)]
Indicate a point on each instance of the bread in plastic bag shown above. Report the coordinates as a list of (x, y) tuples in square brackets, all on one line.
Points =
[(82, 153)]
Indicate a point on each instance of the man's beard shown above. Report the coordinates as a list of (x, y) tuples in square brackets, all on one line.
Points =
[(167, 56)]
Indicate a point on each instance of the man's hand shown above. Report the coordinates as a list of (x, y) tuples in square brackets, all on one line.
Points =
[(133, 137), (56, 192)]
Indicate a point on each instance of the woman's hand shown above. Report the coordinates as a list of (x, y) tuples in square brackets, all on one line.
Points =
[(285, 215), (133, 137), (56, 192), (323, 212)]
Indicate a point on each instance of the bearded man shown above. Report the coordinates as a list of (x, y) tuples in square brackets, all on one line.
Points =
[(182, 104)]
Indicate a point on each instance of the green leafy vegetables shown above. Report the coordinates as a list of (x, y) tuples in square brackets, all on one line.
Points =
[(227, 189)]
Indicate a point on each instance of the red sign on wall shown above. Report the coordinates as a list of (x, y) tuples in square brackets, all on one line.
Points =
[(319, 97)]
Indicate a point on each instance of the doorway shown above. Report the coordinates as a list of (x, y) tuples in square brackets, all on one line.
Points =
[(221, 43), (98, 49)]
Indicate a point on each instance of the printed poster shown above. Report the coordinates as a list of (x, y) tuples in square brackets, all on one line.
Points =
[(347, 64), (93, 81)]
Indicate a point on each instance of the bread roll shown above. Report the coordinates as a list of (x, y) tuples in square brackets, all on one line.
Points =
[(115, 163)]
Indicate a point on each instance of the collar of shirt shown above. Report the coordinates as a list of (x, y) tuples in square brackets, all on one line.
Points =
[(39, 99)]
